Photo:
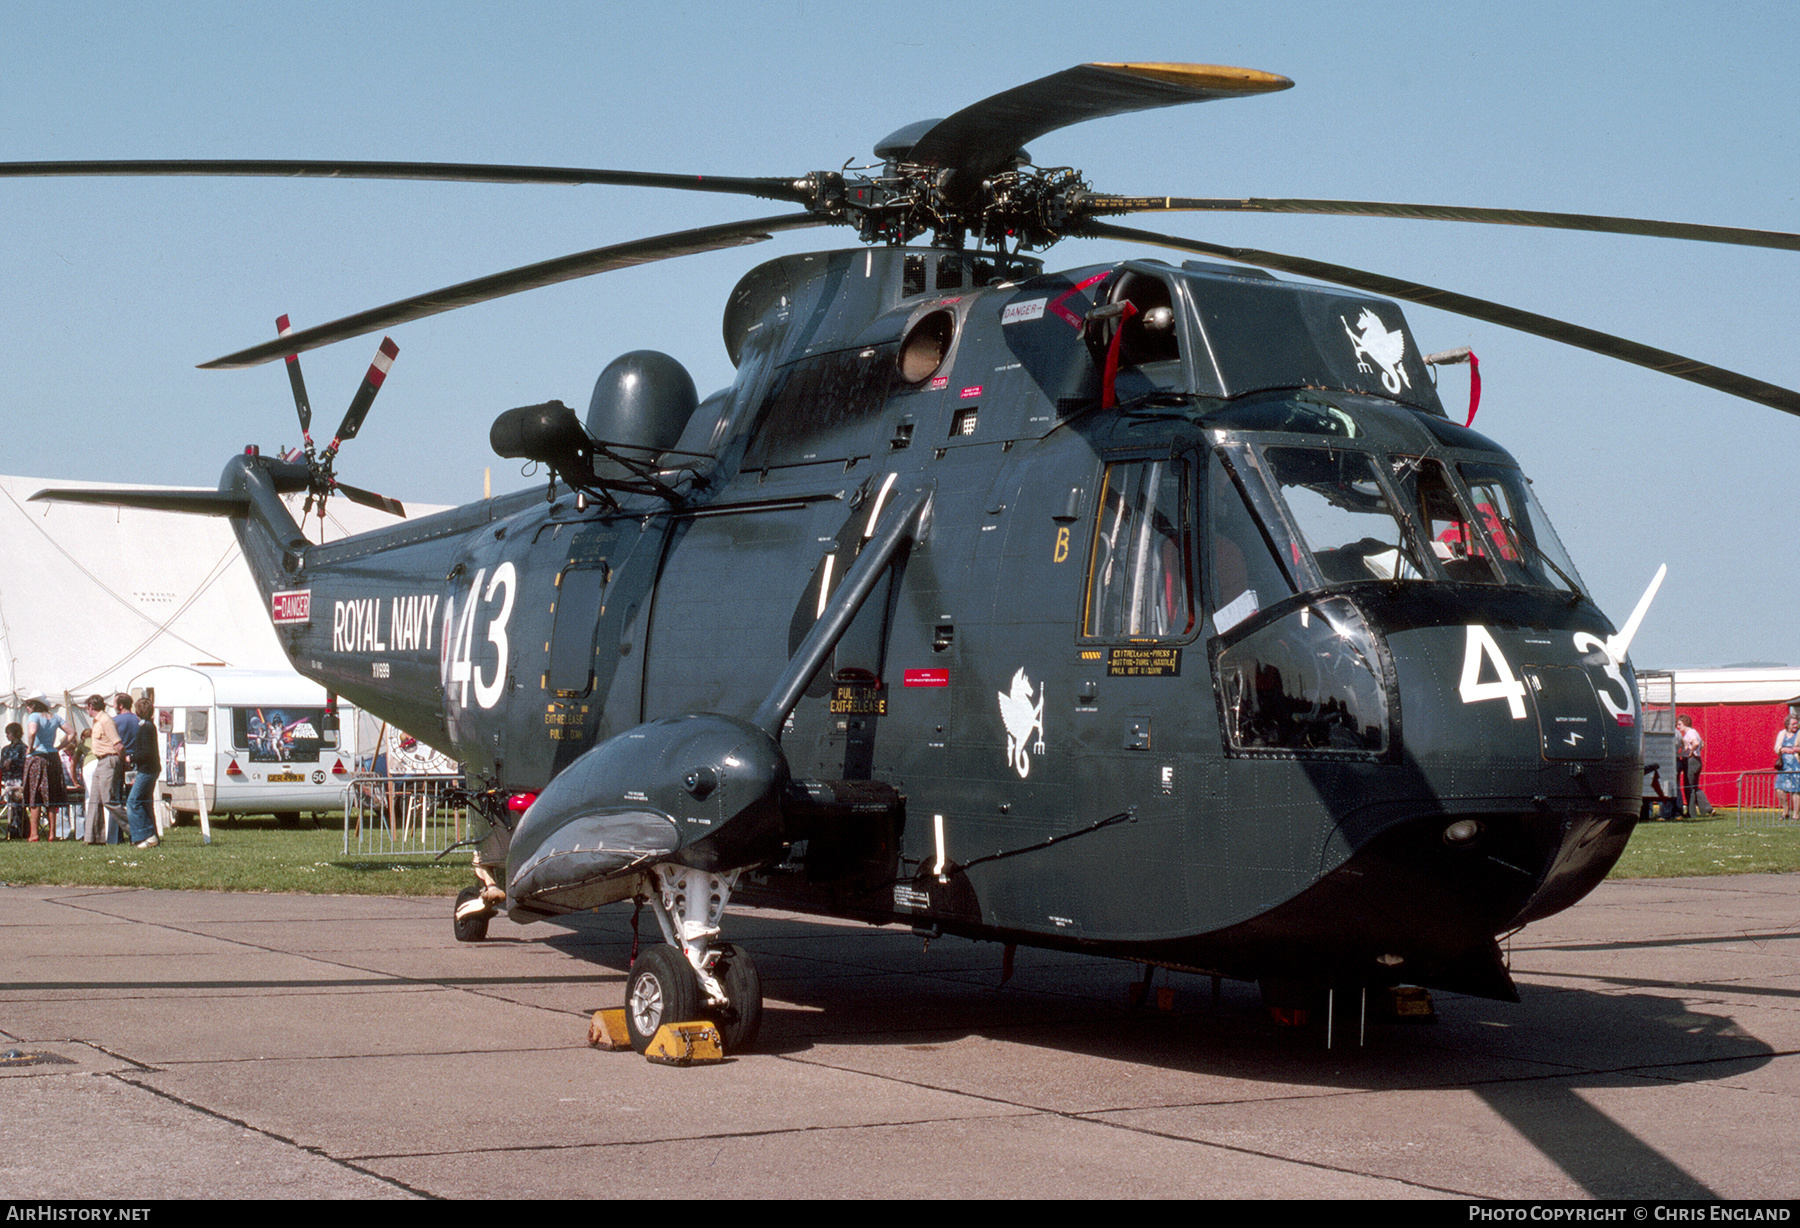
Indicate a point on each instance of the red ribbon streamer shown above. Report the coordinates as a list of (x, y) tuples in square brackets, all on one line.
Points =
[(1474, 387), (1108, 396)]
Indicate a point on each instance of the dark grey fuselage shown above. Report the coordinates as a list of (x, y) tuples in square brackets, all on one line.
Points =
[(1135, 686)]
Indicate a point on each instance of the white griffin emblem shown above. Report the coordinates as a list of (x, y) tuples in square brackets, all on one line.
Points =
[(1376, 342), (1022, 716)]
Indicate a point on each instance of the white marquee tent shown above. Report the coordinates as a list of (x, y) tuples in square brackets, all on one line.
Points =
[(92, 596)]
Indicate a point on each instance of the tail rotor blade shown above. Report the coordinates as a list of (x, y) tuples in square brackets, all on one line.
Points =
[(369, 498), (365, 395), (283, 328)]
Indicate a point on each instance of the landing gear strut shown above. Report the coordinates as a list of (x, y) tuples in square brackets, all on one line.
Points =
[(470, 918), (477, 905), (694, 976)]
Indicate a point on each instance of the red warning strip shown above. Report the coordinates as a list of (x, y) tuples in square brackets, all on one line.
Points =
[(295, 381), (926, 677), (1056, 304)]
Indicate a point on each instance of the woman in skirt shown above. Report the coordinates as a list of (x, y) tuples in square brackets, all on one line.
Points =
[(45, 733)]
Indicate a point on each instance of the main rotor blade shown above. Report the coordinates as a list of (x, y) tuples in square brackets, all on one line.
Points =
[(982, 138), (1093, 204), (1704, 374), (445, 172), (513, 281)]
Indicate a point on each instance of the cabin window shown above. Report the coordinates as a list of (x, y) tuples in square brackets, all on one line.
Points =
[(580, 592), (1302, 413), (1343, 514), (1138, 584), (196, 725)]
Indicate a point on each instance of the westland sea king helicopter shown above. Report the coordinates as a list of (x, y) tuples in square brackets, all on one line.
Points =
[(1147, 610)]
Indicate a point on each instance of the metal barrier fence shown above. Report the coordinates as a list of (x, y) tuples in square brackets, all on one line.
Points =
[(406, 815), (1757, 804)]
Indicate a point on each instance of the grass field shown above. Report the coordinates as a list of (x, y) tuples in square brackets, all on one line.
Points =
[(252, 854), (256, 855), (1684, 848)]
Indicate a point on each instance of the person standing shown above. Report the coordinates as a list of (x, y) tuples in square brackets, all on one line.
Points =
[(80, 752), (109, 760), (12, 779), (126, 722), (146, 757), (1787, 768), (1688, 747), (45, 733)]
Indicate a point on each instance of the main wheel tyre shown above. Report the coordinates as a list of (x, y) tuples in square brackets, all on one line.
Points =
[(742, 1020), (661, 989), (473, 927)]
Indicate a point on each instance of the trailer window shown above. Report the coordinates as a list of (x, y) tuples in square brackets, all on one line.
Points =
[(196, 726)]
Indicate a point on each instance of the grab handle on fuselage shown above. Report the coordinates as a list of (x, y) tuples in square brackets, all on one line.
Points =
[(903, 525)]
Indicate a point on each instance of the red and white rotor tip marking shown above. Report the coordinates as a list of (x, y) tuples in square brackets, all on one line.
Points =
[(301, 404), (365, 395)]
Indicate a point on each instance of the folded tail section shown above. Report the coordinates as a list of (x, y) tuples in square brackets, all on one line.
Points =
[(249, 492)]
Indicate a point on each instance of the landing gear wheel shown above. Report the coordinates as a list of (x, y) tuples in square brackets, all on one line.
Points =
[(661, 989), (473, 927), (742, 1020)]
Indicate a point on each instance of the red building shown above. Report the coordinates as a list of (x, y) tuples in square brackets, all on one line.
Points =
[(1737, 711)]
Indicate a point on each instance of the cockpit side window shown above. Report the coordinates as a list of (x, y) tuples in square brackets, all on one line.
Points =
[(1241, 568), (1139, 585), (1446, 525), (1342, 512), (1527, 547)]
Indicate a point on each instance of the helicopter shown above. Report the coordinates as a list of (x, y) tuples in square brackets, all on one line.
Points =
[(1148, 610)]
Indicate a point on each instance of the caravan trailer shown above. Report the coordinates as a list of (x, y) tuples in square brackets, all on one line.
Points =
[(247, 741)]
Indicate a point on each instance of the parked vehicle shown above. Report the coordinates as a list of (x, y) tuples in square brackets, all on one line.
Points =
[(247, 741)]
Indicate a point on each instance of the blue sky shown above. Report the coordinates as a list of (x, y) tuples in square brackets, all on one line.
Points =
[(112, 289)]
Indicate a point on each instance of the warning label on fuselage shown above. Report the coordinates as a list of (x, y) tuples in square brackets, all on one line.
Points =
[(1135, 662), (858, 701)]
